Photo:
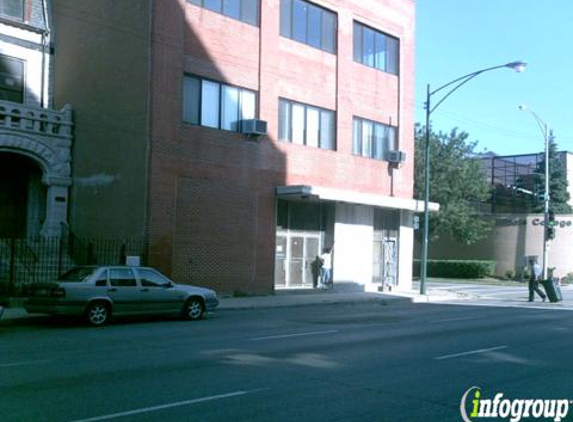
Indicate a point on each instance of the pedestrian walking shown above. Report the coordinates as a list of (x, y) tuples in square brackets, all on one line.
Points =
[(534, 277), (326, 267), (316, 269)]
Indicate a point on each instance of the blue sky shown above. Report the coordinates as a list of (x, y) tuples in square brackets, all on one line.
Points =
[(456, 37)]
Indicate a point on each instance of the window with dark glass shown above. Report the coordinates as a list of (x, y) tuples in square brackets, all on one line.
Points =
[(216, 105), (122, 277), (102, 279), (12, 8), (151, 278), (371, 139), (243, 10), (375, 49), (309, 24), (306, 125), (11, 79)]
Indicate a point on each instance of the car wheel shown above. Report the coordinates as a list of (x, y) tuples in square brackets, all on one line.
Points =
[(193, 309), (98, 313)]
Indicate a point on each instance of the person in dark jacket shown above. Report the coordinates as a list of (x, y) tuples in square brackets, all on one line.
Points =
[(534, 277), (316, 269)]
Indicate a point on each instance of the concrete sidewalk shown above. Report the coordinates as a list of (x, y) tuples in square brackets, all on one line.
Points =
[(297, 297)]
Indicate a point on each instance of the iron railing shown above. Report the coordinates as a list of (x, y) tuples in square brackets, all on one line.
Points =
[(24, 261)]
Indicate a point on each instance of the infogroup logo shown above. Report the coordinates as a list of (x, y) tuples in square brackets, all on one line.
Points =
[(474, 407)]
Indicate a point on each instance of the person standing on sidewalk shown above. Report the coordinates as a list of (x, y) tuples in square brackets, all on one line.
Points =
[(534, 277), (316, 269), (326, 268)]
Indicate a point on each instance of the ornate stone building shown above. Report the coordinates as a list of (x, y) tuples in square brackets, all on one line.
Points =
[(35, 140)]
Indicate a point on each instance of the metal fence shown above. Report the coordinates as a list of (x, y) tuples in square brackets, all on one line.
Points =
[(24, 261)]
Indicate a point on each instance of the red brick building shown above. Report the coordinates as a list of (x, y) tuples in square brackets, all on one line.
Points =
[(166, 125)]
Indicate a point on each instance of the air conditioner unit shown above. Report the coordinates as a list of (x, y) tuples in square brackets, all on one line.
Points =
[(396, 156), (254, 127)]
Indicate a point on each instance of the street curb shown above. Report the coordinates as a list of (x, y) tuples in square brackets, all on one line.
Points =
[(14, 315), (323, 301)]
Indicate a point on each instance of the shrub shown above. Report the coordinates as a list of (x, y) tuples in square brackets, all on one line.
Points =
[(459, 268), (568, 278), (510, 275)]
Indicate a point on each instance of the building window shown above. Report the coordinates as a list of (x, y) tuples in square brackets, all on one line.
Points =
[(375, 49), (243, 10), (306, 125), (220, 106), (13, 9), (371, 139), (309, 24), (11, 79)]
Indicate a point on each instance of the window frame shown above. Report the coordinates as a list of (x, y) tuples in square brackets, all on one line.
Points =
[(21, 16), (145, 282), (243, 16), (288, 126), (358, 147), (288, 23), (113, 283), (220, 101), (21, 78), (391, 60)]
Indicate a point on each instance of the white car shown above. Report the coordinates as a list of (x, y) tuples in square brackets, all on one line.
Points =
[(98, 292)]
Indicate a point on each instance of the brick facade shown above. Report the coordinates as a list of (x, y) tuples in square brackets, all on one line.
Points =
[(211, 216)]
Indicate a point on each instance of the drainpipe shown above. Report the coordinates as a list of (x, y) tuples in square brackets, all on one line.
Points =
[(45, 35)]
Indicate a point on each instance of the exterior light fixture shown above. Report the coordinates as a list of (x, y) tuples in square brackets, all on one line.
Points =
[(518, 66), (546, 234)]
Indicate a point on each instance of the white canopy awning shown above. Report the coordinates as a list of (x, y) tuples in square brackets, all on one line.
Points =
[(304, 192)]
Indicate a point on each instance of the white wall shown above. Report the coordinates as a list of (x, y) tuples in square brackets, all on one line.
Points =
[(405, 250), (353, 240), (33, 73), (353, 246)]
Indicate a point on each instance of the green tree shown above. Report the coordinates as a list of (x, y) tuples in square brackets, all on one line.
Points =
[(456, 183), (558, 194)]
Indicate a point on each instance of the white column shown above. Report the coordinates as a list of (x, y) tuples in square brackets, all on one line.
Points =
[(353, 243), (56, 206), (406, 250)]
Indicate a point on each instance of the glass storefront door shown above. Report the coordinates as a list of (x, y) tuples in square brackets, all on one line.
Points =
[(294, 255)]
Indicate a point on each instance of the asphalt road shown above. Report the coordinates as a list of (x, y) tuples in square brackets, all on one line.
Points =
[(353, 362)]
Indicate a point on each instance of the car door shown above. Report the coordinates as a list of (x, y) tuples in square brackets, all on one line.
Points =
[(157, 292), (124, 291)]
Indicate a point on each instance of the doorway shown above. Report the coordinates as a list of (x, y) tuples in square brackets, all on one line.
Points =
[(22, 196), (385, 262), (294, 255)]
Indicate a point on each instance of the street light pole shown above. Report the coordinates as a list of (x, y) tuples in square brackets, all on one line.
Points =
[(545, 130), (518, 66)]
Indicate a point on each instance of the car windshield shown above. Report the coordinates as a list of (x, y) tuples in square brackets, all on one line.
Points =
[(77, 274)]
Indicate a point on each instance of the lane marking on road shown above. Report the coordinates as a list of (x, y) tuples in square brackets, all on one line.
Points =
[(314, 333), (472, 352), (30, 362), (166, 406), (455, 319)]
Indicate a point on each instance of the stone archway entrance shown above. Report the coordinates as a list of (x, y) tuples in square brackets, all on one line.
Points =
[(22, 196), (34, 181)]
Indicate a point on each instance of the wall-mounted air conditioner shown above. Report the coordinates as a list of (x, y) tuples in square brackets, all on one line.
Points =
[(254, 127), (396, 156)]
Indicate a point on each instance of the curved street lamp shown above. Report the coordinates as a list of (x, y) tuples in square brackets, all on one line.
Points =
[(545, 130), (518, 66)]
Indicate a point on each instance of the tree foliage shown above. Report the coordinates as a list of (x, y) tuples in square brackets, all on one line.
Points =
[(456, 183), (558, 194)]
